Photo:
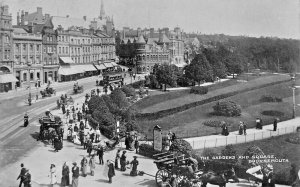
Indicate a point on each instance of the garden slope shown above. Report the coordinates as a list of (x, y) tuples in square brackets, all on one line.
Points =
[(192, 100)]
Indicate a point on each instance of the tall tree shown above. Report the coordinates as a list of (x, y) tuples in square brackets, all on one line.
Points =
[(166, 74), (199, 69)]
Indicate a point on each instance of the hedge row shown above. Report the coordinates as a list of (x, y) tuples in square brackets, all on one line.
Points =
[(163, 113)]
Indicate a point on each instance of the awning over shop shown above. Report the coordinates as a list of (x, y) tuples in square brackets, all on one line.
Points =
[(5, 78), (108, 65), (114, 64), (66, 60), (87, 67), (100, 67), (69, 70)]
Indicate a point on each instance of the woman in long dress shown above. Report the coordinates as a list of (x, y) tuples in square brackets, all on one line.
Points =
[(84, 165), (92, 164), (65, 179), (53, 175), (117, 159)]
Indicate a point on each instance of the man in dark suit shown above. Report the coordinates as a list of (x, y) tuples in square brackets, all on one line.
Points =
[(22, 174), (100, 153)]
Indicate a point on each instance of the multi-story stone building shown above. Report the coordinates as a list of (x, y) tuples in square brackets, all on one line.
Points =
[(148, 47), (7, 80), (28, 66)]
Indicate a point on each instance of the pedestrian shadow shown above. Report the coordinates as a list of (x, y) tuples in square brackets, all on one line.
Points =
[(102, 180), (147, 182), (126, 174), (52, 150)]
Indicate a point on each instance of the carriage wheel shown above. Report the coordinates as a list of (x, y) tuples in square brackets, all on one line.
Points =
[(161, 175)]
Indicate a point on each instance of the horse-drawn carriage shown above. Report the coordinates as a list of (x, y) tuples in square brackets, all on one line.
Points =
[(51, 126), (48, 92), (77, 89), (176, 170)]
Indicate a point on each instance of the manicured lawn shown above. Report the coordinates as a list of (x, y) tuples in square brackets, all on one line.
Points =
[(190, 122), (277, 146), (158, 96), (161, 102)]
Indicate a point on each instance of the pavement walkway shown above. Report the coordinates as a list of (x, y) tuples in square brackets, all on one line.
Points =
[(284, 127)]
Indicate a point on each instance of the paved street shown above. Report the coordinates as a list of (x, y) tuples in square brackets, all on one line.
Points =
[(15, 140)]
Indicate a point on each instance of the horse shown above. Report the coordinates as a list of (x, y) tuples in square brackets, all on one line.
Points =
[(215, 179)]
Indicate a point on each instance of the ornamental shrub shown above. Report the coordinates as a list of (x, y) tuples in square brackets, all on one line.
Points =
[(184, 81), (128, 90), (230, 151), (181, 146), (119, 98), (227, 108), (251, 151), (270, 98), (199, 90)]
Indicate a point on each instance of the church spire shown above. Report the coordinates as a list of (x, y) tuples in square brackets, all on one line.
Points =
[(102, 11)]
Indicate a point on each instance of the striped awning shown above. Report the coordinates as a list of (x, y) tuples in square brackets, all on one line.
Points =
[(69, 70), (100, 66), (86, 67), (66, 60), (5, 78), (108, 65)]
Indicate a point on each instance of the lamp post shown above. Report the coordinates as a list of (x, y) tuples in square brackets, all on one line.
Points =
[(29, 94), (294, 100)]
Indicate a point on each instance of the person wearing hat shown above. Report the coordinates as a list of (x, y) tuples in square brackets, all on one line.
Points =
[(92, 164), (22, 174), (52, 175), (84, 164), (117, 159), (123, 161), (111, 171), (75, 175), (27, 179), (241, 128), (134, 164), (65, 179), (100, 153)]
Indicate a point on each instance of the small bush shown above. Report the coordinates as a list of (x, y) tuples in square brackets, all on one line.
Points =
[(227, 108), (230, 151), (272, 113), (128, 90), (282, 177), (294, 139), (181, 146), (199, 90), (270, 98), (251, 151)]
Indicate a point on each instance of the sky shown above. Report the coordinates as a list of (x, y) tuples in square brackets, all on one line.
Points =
[(276, 18)]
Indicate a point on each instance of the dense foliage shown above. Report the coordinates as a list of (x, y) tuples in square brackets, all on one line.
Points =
[(181, 146), (199, 69), (128, 90), (227, 108), (274, 113), (251, 151)]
